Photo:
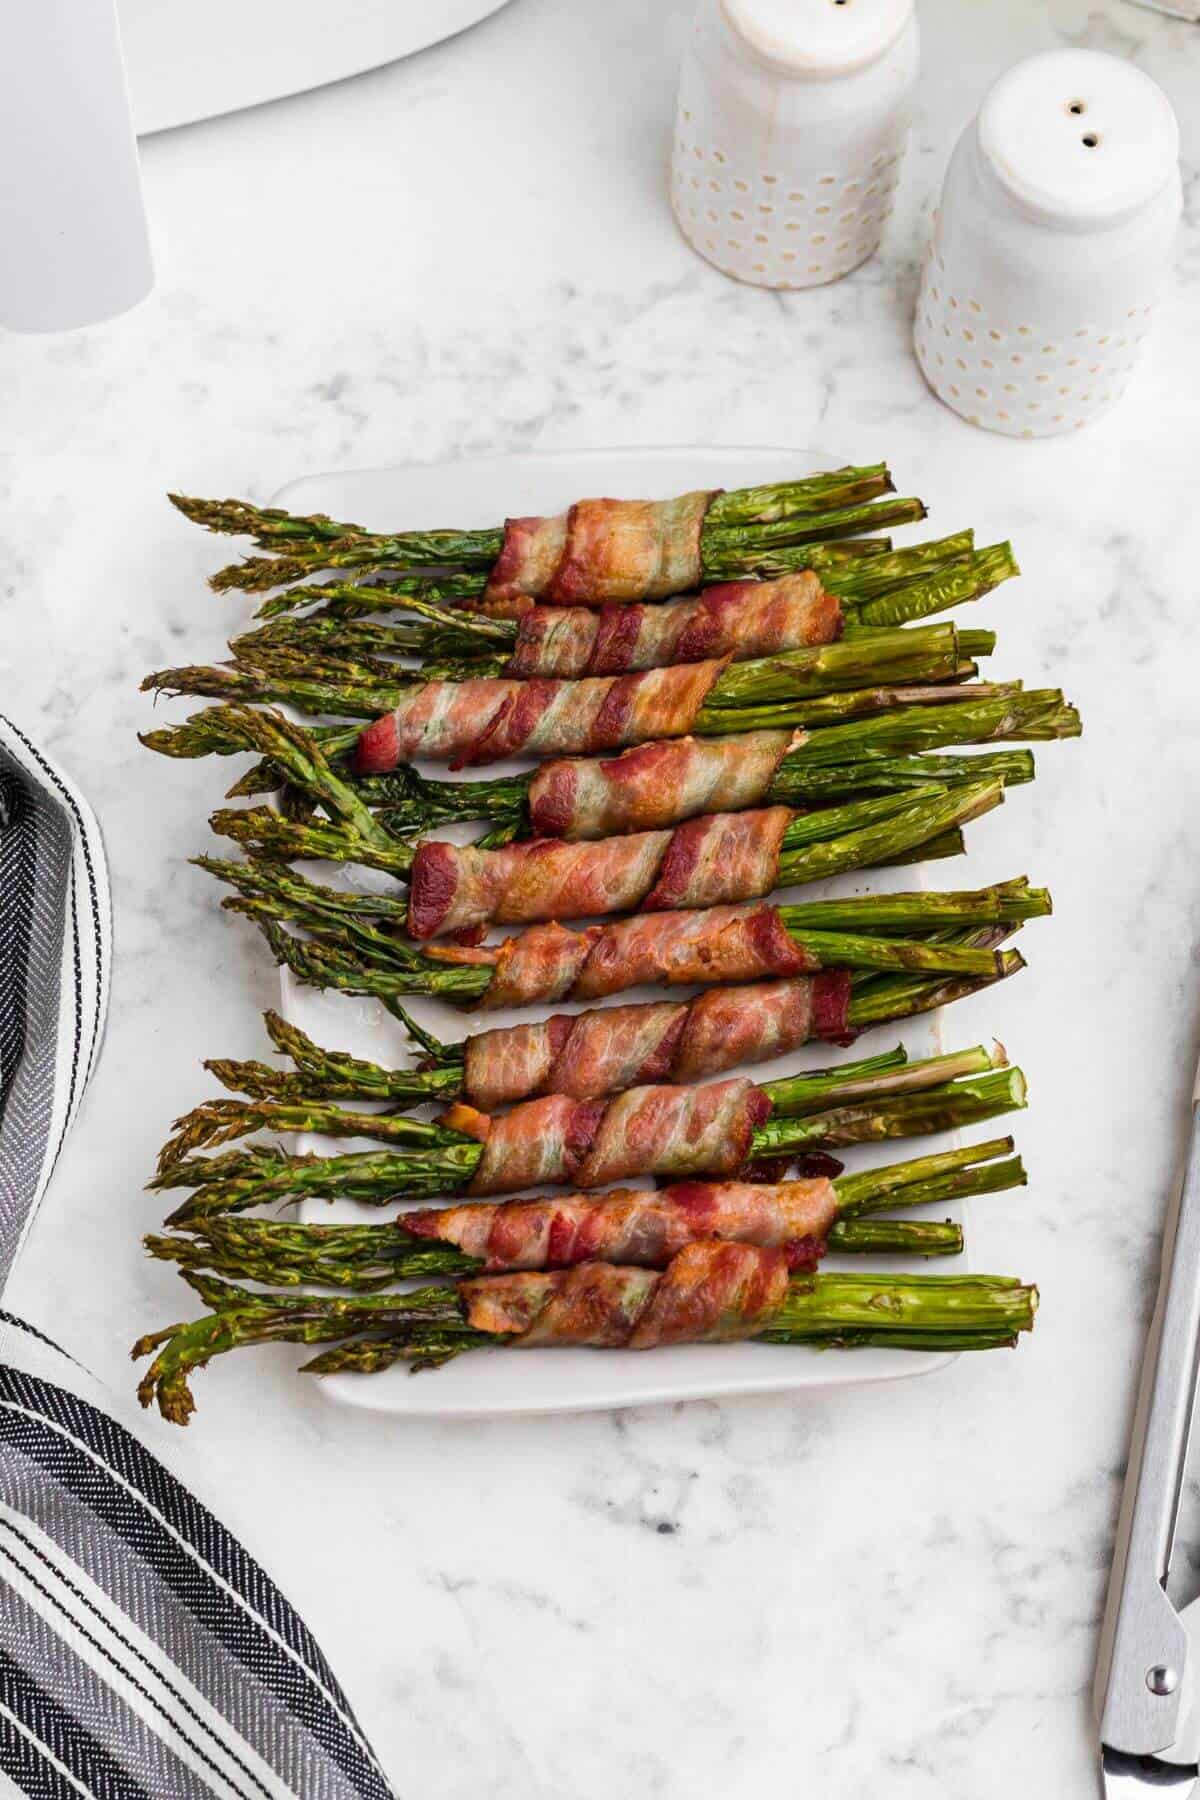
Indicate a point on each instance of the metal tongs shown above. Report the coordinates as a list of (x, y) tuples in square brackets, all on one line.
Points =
[(1148, 1677)]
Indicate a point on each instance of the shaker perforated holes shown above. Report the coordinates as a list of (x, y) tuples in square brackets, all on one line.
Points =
[(1090, 140)]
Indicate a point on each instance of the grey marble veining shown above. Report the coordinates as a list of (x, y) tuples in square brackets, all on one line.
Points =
[(892, 1590)]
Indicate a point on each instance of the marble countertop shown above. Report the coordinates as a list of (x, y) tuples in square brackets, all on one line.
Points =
[(892, 1589)]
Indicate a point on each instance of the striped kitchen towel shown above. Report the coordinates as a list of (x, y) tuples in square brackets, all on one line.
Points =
[(144, 1654)]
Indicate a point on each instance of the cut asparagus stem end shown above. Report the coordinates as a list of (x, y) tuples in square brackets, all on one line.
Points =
[(837, 1308), (870, 1186), (795, 1095), (895, 1237), (944, 1108)]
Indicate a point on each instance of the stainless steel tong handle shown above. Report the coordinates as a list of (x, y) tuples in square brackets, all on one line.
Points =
[(1143, 1646)]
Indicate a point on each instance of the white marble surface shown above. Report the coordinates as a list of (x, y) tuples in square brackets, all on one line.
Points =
[(894, 1590)]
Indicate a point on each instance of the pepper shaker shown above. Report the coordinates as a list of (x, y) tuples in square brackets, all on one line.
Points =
[(1051, 245), (789, 133)]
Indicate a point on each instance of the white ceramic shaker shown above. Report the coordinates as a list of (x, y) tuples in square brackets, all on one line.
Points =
[(789, 132), (1051, 245)]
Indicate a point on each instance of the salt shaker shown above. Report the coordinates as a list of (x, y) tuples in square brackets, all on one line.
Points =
[(789, 132), (1051, 245)]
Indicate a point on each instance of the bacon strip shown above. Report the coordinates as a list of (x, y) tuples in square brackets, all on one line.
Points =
[(472, 722), (645, 1131), (722, 944), (603, 550), (710, 1293), (708, 861), (590, 1054), (740, 619), (656, 785), (645, 1227)]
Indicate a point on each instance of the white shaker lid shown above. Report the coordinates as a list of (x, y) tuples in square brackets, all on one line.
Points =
[(818, 37), (1077, 134)]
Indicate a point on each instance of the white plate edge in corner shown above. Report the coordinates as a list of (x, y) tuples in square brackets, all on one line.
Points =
[(532, 1383)]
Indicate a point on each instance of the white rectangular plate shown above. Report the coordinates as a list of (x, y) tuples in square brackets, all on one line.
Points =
[(484, 492)]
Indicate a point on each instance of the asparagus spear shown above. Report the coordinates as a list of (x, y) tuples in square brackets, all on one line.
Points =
[(429, 1325), (273, 526), (235, 1180)]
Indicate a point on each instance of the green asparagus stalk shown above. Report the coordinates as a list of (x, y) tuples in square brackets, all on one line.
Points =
[(896, 1237), (861, 576), (273, 526), (870, 607)]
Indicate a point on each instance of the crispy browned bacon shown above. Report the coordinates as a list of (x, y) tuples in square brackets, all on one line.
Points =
[(705, 862), (720, 944), (605, 1050), (655, 785), (741, 619), (472, 722), (603, 550), (641, 1226), (655, 1130), (710, 1293)]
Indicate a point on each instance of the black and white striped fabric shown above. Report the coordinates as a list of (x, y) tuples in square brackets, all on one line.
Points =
[(144, 1654)]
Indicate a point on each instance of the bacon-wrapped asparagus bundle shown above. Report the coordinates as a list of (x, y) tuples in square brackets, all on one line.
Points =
[(459, 890), (593, 1053), (825, 682), (711, 861), (644, 1227), (709, 1293), (861, 572), (513, 1066), (720, 1130), (598, 551), (549, 963), (744, 620)]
